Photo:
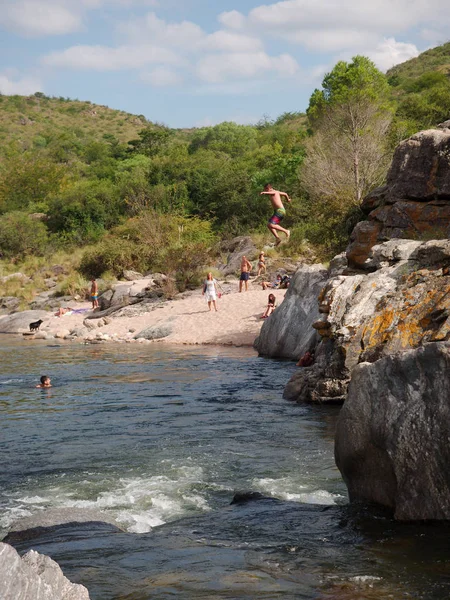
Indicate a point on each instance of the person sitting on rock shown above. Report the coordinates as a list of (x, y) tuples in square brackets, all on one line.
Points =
[(271, 305)]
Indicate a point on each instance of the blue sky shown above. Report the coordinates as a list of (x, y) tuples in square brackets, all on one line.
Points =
[(197, 62)]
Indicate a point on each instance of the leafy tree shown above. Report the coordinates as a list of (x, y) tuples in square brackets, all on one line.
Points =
[(349, 117), (151, 140)]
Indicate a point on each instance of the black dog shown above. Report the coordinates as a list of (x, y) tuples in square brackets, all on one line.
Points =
[(35, 326)]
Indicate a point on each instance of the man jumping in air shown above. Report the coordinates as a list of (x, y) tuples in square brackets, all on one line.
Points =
[(279, 212)]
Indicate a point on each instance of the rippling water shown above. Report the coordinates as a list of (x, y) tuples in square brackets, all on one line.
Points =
[(161, 438)]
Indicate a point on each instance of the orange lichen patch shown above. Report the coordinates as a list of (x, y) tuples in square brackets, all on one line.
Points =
[(379, 328), (407, 319)]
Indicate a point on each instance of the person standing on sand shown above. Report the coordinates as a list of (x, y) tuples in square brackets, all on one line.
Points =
[(210, 290), (279, 212), (246, 267), (94, 293), (261, 264)]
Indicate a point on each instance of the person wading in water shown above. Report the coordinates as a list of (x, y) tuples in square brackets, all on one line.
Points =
[(279, 212)]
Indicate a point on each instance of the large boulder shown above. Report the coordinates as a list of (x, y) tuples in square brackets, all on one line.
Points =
[(393, 433), (414, 203), (17, 322), (236, 249), (289, 332), (35, 577)]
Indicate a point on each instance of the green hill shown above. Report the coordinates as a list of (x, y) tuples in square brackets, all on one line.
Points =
[(421, 88), (437, 59), (28, 119)]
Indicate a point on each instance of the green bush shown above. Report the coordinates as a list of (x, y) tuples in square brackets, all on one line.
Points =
[(21, 236)]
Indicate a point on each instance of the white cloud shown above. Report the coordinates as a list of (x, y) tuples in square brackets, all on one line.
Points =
[(232, 19), (221, 56), (10, 85), (390, 52), (231, 42), (218, 68), (149, 27), (54, 17), (39, 18), (103, 58), (161, 77)]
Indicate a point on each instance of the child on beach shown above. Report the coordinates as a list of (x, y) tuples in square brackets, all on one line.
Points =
[(279, 212), (46, 382), (271, 305), (261, 263)]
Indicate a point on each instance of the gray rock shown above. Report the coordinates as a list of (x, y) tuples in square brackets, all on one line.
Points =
[(9, 303), (21, 321), (288, 333), (104, 300), (236, 249), (79, 332), (130, 275), (338, 265), (35, 577), (155, 332), (393, 433)]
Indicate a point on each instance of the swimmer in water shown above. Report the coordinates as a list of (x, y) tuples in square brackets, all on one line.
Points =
[(46, 382)]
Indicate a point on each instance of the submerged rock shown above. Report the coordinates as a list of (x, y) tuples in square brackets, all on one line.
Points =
[(35, 577), (393, 433)]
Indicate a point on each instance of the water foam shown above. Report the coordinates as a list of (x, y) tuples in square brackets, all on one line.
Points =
[(138, 503), (287, 488)]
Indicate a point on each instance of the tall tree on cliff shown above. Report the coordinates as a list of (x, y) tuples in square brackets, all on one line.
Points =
[(349, 118)]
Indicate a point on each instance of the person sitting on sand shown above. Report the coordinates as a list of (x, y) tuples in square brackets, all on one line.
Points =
[(246, 267), (210, 291), (274, 284), (46, 382), (261, 264), (271, 305), (279, 212)]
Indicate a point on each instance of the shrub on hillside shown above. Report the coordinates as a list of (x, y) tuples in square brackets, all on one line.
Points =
[(21, 236), (115, 255)]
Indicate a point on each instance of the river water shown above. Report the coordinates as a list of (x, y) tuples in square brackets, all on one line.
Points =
[(161, 438)]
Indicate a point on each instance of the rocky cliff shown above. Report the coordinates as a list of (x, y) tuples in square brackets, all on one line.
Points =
[(393, 433), (414, 203), (403, 302)]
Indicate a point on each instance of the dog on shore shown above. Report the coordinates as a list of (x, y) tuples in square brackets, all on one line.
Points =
[(35, 326)]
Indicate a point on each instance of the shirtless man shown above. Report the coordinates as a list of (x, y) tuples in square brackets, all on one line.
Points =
[(94, 293), (279, 212), (246, 267)]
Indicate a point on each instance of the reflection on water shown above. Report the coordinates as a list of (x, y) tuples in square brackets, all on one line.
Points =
[(160, 439)]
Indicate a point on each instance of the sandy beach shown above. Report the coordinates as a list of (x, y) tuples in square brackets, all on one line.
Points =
[(237, 321)]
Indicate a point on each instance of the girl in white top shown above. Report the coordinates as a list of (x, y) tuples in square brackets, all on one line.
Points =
[(210, 291)]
